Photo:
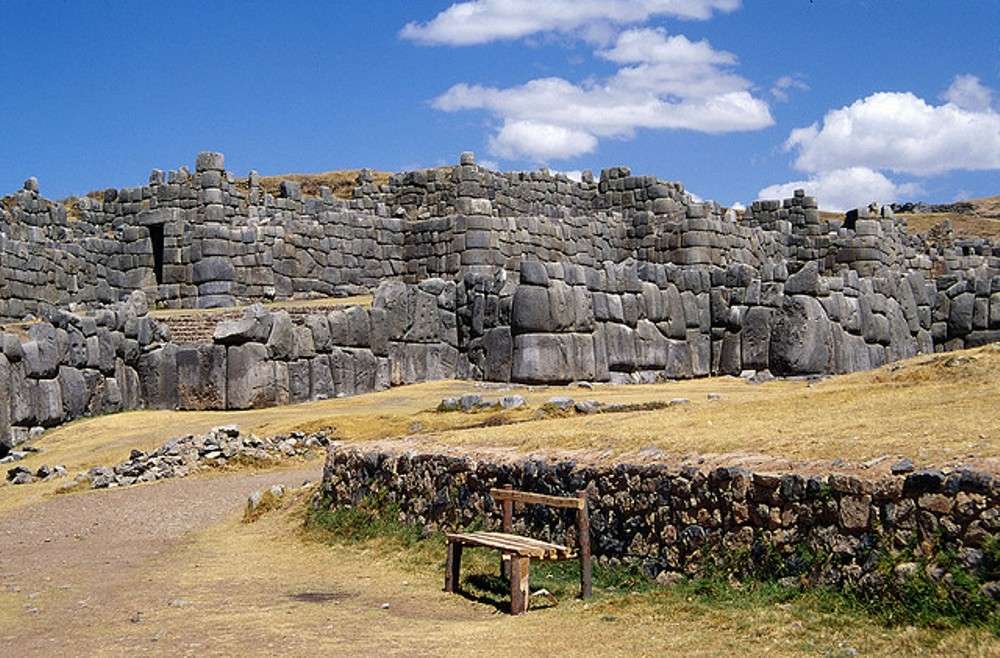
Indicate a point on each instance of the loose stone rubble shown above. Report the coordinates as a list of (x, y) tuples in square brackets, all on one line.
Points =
[(181, 456)]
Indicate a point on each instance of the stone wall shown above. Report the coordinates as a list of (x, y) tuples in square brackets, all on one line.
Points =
[(209, 238), (671, 518)]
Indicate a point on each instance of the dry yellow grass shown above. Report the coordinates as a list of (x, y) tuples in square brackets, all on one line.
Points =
[(341, 182), (982, 222)]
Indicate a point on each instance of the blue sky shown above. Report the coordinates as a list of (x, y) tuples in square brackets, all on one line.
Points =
[(709, 92)]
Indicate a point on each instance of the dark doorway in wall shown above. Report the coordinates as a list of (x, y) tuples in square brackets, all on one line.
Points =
[(156, 237)]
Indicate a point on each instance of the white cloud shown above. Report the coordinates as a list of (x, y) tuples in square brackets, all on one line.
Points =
[(903, 133), (785, 84), (543, 141), (968, 93), (736, 205), (572, 174), (492, 165), (842, 189), (671, 83), (484, 21)]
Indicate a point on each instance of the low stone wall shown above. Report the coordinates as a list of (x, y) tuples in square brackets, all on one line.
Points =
[(671, 518)]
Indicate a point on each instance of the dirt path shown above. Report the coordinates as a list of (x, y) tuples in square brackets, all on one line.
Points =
[(169, 569), (81, 559)]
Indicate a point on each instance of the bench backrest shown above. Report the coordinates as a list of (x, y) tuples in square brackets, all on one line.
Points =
[(508, 493), (507, 496)]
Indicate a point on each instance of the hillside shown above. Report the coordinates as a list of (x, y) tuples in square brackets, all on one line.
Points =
[(980, 220)]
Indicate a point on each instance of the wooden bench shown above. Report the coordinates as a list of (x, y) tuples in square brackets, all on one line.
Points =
[(516, 551)]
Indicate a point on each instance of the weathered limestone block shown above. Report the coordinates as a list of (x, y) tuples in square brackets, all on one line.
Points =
[(47, 401), (619, 345), (498, 348), (960, 317), (393, 299), (75, 392), (756, 338), (201, 377), (249, 377), (425, 322), (299, 381), (530, 312), (281, 341), (158, 377), (5, 405), (320, 378), (254, 326), (801, 340), (544, 358)]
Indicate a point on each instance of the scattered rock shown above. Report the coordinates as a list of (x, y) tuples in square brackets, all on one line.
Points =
[(512, 402), (669, 578), (470, 402), (679, 401), (588, 407), (449, 404), (714, 397), (902, 467), (19, 475), (180, 456), (561, 403)]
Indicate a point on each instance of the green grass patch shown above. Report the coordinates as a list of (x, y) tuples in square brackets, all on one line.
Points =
[(747, 580)]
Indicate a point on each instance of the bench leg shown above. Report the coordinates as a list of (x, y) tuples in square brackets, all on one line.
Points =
[(519, 590), (505, 566), (452, 568)]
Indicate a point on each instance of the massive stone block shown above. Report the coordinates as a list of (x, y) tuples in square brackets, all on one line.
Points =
[(756, 338), (802, 340), (249, 377), (201, 377), (158, 377), (74, 391)]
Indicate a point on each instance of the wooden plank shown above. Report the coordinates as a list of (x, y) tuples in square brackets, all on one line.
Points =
[(583, 537), (498, 544), (512, 543), (453, 567), (519, 585), (555, 549), (507, 526), (534, 498)]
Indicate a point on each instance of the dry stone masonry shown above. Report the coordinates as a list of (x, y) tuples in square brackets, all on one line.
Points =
[(474, 274), (676, 519)]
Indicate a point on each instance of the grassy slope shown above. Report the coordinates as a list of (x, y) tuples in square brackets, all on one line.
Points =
[(984, 222)]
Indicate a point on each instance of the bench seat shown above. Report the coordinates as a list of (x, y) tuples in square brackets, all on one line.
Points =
[(514, 545)]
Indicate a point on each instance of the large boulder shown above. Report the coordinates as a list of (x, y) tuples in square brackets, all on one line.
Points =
[(250, 377), (201, 377), (254, 326), (756, 338), (802, 338), (158, 377), (543, 358)]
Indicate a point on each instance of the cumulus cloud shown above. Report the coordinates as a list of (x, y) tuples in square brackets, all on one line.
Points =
[(484, 21), (842, 189), (783, 86), (968, 93), (665, 82), (543, 141), (903, 133)]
